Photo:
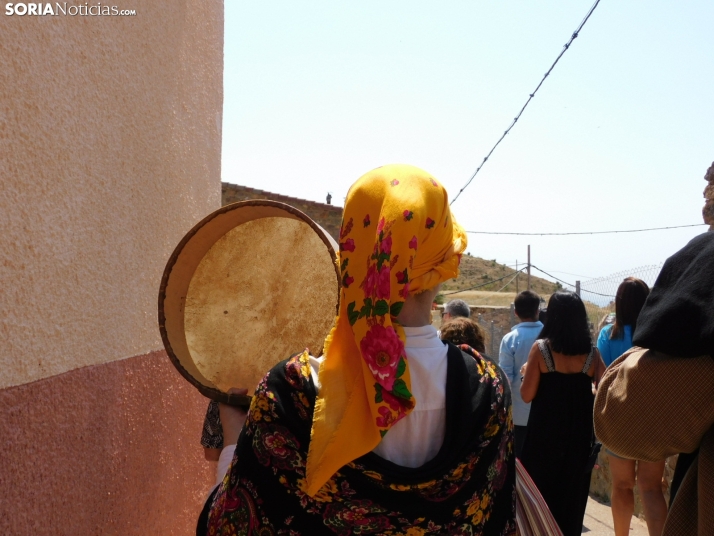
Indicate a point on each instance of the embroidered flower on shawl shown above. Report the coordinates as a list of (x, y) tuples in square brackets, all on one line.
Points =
[(347, 280), (346, 229), (301, 405), (408, 215), (386, 245), (233, 500), (277, 447), (386, 417), (382, 350), (348, 245), (413, 243), (356, 517), (366, 221), (394, 182), (297, 371), (395, 403), (326, 492), (383, 285), (402, 277), (370, 281), (429, 223)]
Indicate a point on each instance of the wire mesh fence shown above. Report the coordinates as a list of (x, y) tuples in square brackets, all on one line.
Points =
[(493, 335), (599, 294)]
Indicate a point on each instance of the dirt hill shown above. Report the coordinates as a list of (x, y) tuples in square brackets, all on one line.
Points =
[(477, 271)]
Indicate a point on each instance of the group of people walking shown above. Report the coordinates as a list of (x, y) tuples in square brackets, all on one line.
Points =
[(555, 371), (398, 429)]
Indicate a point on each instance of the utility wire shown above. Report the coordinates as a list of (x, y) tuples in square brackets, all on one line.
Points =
[(576, 275), (570, 284), (530, 97), (587, 232), (550, 275), (486, 283), (511, 281)]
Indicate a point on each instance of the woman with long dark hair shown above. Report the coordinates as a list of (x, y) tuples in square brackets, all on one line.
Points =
[(615, 340), (558, 380)]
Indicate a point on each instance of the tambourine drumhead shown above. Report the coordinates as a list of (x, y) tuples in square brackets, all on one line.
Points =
[(250, 285)]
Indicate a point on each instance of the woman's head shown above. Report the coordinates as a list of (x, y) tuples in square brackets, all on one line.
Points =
[(566, 326), (630, 297), (460, 330)]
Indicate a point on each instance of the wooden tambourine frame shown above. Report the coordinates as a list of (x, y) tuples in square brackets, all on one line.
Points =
[(184, 264)]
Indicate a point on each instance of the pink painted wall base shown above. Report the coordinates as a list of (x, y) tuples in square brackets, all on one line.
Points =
[(106, 449)]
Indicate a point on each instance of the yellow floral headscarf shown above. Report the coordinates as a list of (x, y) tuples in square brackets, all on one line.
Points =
[(397, 237)]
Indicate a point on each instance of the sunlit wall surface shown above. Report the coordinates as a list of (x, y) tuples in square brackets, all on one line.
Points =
[(110, 136)]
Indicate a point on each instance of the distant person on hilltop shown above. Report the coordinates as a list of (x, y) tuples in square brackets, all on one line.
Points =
[(515, 347), (455, 309)]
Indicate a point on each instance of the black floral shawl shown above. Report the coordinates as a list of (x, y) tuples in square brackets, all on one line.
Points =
[(468, 488)]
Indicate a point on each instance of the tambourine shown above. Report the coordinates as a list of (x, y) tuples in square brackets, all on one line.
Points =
[(251, 284)]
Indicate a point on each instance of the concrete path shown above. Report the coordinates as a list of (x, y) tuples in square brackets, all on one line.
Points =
[(598, 521)]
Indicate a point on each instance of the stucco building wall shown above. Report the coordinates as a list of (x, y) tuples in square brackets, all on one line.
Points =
[(110, 135)]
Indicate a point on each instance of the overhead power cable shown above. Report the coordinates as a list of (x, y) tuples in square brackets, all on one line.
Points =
[(570, 284), (511, 281), (530, 97), (485, 284), (587, 232), (570, 273)]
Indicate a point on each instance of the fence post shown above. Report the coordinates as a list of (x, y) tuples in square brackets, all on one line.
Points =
[(577, 288), (513, 314), (493, 336)]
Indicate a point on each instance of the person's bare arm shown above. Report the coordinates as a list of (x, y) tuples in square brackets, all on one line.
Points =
[(232, 419), (599, 368), (531, 378), (211, 455), (650, 406)]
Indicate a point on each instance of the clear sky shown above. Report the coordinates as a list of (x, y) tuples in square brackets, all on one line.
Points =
[(619, 137)]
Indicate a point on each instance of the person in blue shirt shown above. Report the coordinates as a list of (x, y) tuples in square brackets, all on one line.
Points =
[(513, 354), (614, 340)]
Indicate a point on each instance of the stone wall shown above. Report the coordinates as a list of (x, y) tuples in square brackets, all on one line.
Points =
[(328, 217), (708, 210), (502, 319)]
